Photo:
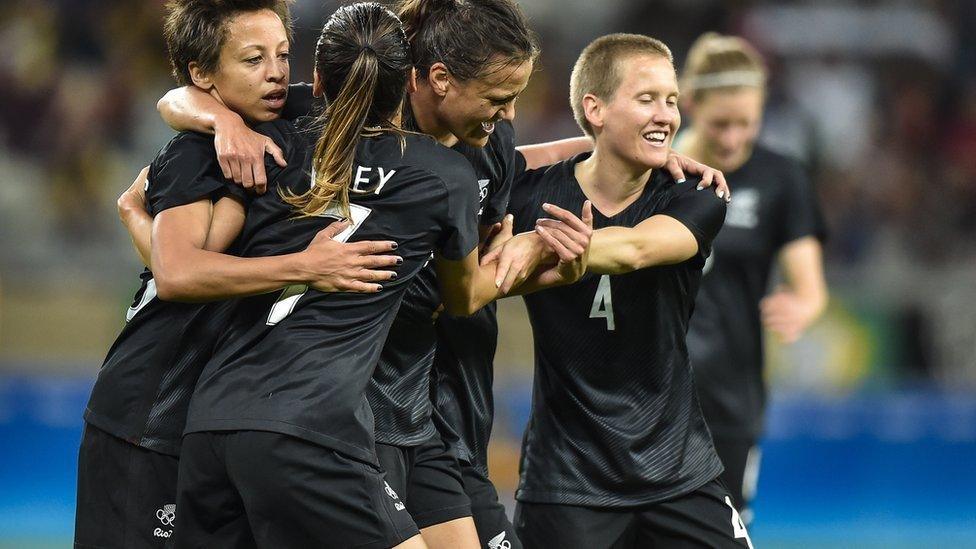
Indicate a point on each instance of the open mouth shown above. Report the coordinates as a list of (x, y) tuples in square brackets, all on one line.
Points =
[(657, 138), (488, 127), (275, 99)]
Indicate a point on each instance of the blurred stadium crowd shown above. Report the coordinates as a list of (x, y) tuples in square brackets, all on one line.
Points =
[(879, 98)]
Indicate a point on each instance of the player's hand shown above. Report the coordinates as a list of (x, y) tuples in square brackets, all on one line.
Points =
[(360, 267), (785, 314), (240, 153), (132, 201), (518, 259), (498, 235), (679, 164), (569, 237)]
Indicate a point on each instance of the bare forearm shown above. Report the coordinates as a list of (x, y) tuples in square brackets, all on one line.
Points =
[(192, 109), (802, 263), (614, 250), (544, 154), (138, 223), (196, 275)]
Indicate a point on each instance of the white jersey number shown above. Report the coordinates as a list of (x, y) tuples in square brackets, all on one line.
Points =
[(285, 304), (603, 302)]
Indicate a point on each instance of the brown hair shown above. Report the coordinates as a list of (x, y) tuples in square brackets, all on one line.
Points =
[(195, 30), (597, 69), (362, 60), (467, 35), (718, 61)]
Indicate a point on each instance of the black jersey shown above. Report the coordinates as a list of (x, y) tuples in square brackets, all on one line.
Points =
[(774, 205), (400, 391), (299, 360), (615, 421), (144, 385)]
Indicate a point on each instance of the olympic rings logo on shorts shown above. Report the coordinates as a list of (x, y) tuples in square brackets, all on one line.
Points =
[(167, 515)]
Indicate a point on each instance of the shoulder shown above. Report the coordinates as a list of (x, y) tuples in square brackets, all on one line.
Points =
[(424, 153), (281, 131), (688, 195), (186, 154), (185, 143), (503, 138)]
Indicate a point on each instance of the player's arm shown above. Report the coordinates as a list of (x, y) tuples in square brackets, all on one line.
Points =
[(658, 240), (678, 165), (469, 285), (137, 222), (791, 309), (186, 271), (240, 150), (226, 221), (545, 154), (681, 231)]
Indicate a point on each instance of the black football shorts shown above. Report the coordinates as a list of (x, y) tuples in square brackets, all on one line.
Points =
[(264, 489)]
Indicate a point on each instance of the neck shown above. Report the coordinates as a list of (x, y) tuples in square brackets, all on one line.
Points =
[(610, 183), (423, 103)]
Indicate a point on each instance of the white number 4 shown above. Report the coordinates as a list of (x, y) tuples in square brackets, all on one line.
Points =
[(285, 304), (738, 528), (603, 302)]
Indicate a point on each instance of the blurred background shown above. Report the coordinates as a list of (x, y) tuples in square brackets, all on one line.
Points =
[(872, 427)]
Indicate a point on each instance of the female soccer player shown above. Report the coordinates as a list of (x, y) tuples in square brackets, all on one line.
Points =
[(135, 417), (775, 216), (279, 440), (616, 452)]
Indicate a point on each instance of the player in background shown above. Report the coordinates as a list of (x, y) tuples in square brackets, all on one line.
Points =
[(279, 448), (473, 59), (128, 458), (616, 452), (775, 217)]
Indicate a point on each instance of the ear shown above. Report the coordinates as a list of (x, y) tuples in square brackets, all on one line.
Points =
[(439, 78), (200, 78), (318, 89), (687, 104), (412, 81), (593, 110)]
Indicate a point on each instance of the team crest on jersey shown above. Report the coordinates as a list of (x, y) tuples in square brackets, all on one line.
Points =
[(482, 193), (167, 517), (483, 189), (743, 212)]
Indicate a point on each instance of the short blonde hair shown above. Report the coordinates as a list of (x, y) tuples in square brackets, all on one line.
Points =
[(597, 72)]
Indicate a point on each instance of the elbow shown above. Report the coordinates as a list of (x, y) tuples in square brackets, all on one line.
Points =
[(466, 306), (171, 286), (167, 289), (630, 259)]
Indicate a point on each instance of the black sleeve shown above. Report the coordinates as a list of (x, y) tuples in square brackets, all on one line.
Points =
[(524, 205), (299, 101), (459, 214), (801, 213), (701, 212), (184, 172), (503, 147)]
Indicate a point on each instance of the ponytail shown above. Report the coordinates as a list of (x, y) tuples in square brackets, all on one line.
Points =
[(362, 60)]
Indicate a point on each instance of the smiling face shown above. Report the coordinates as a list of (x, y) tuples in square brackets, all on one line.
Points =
[(252, 76), (469, 109), (637, 124), (728, 122)]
